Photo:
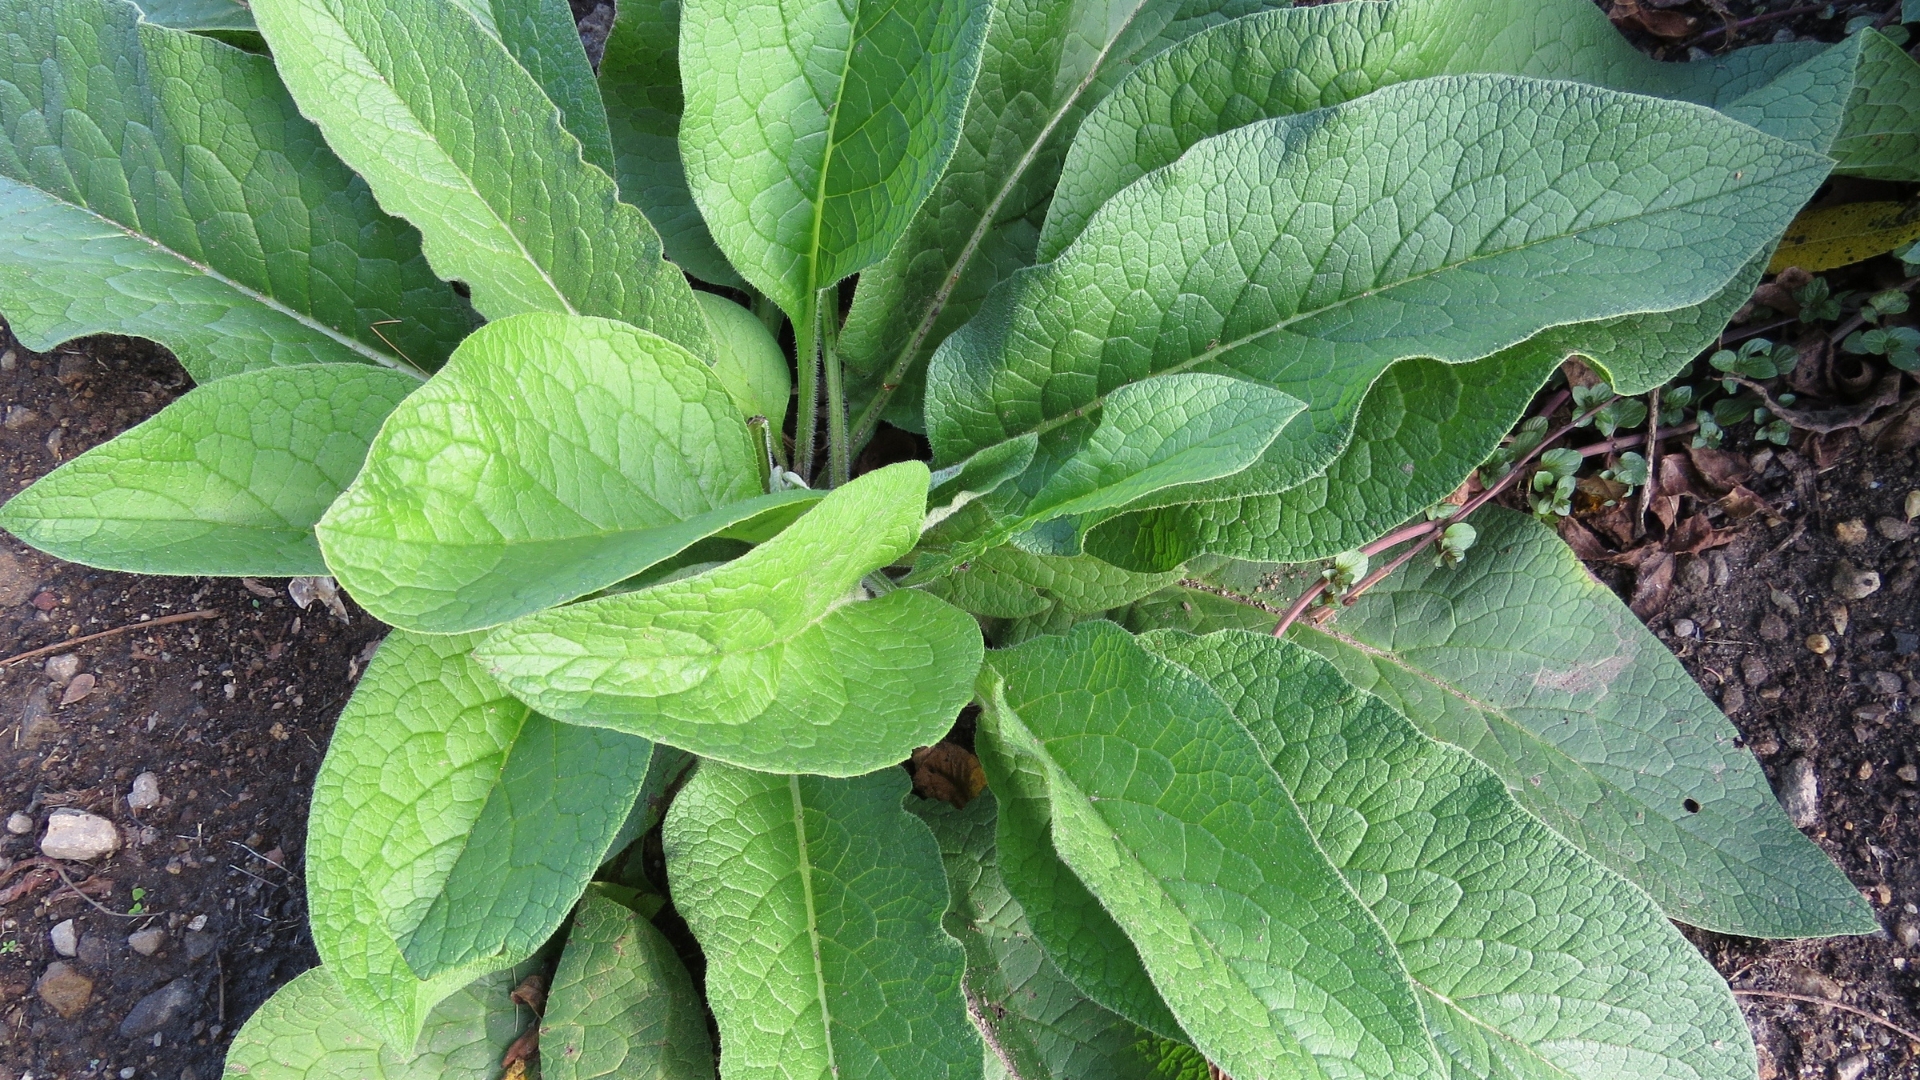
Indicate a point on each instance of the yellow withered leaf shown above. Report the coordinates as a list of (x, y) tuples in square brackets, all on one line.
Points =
[(1842, 235)]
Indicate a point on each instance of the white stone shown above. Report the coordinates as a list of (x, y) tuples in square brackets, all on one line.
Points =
[(61, 669), (19, 824), (78, 835), (198, 923), (1800, 793), (145, 793), (147, 942), (66, 940)]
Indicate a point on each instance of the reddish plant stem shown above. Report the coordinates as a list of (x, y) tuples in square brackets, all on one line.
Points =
[(1622, 442)]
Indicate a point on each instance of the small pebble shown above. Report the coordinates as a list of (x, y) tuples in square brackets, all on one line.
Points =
[(198, 923), (126, 1073), (1865, 771), (61, 669), (145, 793), (1907, 933), (1851, 532), (66, 940), (1842, 618), (1733, 700), (79, 688), (1685, 628), (1913, 505), (1851, 1067), (1908, 773), (19, 824), (78, 835), (1754, 671), (1800, 793), (158, 1009), (1883, 683), (1894, 529), (1872, 714), (1805, 980), (1773, 627), (1819, 644), (147, 942), (1785, 602), (64, 989), (1852, 583)]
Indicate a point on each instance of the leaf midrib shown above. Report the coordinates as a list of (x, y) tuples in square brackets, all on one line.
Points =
[(269, 302), (826, 157), (805, 863)]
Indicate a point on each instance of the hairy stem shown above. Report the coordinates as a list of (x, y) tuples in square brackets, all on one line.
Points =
[(837, 461), (807, 405)]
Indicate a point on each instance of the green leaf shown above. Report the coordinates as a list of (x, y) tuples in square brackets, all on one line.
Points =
[(160, 184), (227, 480), (1531, 959), (310, 1030), (747, 360), (640, 83), (813, 129), (1298, 198), (776, 660), (481, 163), (622, 1004), (197, 15), (1881, 138), (451, 829), (543, 38), (1043, 64), (1036, 1024), (1522, 659), (817, 903), (1166, 808), (1008, 583), (550, 458)]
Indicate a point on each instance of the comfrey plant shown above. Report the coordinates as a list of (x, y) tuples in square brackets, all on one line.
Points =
[(1178, 291)]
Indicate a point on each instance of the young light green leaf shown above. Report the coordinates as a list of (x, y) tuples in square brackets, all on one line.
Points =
[(552, 457), (310, 1030), (1008, 578), (814, 129), (227, 480), (1574, 971), (456, 136), (1167, 809), (747, 360), (271, 252), (451, 829), (1551, 243), (1519, 657), (817, 903), (621, 1004), (1036, 1024), (1043, 63), (640, 83), (773, 661)]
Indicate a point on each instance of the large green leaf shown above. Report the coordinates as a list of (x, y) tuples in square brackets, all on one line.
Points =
[(451, 829), (1448, 218), (1036, 1023), (1523, 660), (621, 1004), (310, 1030), (1531, 959), (197, 15), (1044, 62), (1166, 808), (543, 38), (227, 480), (817, 903), (640, 83), (814, 129), (778, 660), (1881, 138), (553, 456), (160, 184), (456, 136)]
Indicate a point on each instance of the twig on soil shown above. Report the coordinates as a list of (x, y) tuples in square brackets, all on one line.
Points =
[(97, 905), (1842, 1006), (1828, 421), (1622, 442), (1756, 19), (164, 620)]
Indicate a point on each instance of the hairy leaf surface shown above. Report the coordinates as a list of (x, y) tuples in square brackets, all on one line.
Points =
[(451, 828), (817, 903), (197, 15), (776, 660), (456, 136), (1523, 660), (1531, 958), (552, 457), (1166, 808), (227, 480), (622, 1004), (1035, 1022), (813, 129), (310, 1030), (1881, 138), (543, 39), (160, 184)]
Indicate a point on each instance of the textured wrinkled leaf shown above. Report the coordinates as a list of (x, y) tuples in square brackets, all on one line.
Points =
[(1531, 959), (817, 903), (197, 15), (1302, 253), (451, 828), (160, 184), (813, 129), (1166, 808), (776, 660), (1036, 1024), (640, 83), (552, 457), (1881, 138), (309, 1030), (622, 1004), (543, 39), (227, 480), (747, 360), (1008, 583), (1523, 660), (1043, 63), (456, 136)]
